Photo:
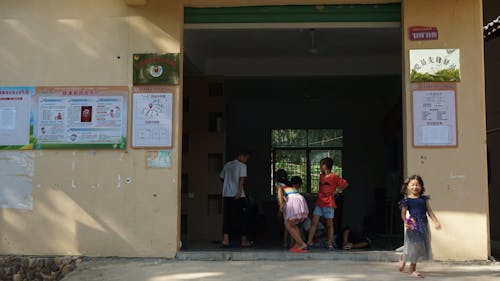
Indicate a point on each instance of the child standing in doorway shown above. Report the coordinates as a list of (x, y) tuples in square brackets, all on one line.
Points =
[(294, 209), (417, 234), (329, 185)]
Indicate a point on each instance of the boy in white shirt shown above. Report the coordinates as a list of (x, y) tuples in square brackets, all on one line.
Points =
[(234, 200)]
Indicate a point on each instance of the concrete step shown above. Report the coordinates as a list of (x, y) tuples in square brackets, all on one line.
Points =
[(281, 255)]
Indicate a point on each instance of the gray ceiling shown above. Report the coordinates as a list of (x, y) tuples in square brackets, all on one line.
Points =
[(201, 45)]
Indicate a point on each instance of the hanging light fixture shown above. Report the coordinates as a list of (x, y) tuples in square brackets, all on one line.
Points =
[(313, 50)]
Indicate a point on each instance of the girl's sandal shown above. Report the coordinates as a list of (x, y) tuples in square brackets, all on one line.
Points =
[(415, 274), (331, 248), (296, 249), (347, 246)]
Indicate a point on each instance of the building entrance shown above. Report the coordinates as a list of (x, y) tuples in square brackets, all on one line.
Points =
[(293, 94)]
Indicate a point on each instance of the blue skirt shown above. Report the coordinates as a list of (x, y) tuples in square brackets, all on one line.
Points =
[(417, 245)]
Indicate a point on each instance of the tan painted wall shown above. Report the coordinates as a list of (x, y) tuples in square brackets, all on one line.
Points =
[(77, 43), (56, 42), (456, 178)]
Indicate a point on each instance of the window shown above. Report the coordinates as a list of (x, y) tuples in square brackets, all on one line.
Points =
[(216, 89), (299, 151), (215, 122)]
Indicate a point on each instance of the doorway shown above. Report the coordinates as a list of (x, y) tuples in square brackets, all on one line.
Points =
[(327, 89)]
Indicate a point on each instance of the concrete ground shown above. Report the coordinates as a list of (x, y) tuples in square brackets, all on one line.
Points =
[(314, 270)]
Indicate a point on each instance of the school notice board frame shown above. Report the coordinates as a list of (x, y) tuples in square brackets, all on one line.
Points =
[(434, 115), (16, 118), (152, 116), (88, 117)]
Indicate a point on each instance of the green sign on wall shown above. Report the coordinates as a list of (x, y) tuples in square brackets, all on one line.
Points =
[(156, 69), (435, 65)]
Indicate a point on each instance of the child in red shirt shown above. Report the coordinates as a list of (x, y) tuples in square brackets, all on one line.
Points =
[(329, 185)]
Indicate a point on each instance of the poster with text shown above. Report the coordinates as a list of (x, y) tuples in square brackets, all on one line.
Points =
[(159, 159), (16, 118), (152, 117), (434, 65), (434, 117), (81, 117)]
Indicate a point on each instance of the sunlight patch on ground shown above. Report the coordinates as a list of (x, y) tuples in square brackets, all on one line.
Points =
[(186, 276), (333, 278)]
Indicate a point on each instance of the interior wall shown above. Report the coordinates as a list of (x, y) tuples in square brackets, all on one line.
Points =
[(202, 160), (456, 178), (358, 105), (96, 203)]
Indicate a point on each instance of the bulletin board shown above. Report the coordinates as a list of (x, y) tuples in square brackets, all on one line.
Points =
[(16, 118), (152, 116), (434, 115), (81, 117)]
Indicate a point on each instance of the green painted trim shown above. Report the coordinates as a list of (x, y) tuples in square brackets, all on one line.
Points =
[(274, 14)]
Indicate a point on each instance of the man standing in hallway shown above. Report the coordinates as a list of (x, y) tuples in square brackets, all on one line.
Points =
[(234, 205)]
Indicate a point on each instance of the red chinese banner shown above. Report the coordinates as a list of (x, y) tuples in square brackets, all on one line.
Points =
[(421, 33)]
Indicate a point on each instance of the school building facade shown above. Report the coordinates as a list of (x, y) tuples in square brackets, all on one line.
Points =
[(108, 203)]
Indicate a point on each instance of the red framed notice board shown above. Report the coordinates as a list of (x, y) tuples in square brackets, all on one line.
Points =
[(152, 116), (434, 115)]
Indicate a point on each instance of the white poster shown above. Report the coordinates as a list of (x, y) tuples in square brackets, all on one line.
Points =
[(434, 118), (15, 110), (81, 117), (16, 172), (152, 117)]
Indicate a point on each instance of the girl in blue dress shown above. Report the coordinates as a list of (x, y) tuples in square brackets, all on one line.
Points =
[(417, 234)]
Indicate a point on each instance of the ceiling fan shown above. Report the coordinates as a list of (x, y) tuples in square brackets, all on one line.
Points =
[(312, 49)]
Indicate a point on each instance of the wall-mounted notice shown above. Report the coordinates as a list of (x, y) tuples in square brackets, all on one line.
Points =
[(159, 159), (81, 117), (435, 65), (422, 33), (434, 115), (16, 172), (152, 116), (16, 118)]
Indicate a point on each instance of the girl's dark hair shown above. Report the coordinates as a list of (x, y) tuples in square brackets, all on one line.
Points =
[(328, 162), (281, 176), (296, 180), (404, 188)]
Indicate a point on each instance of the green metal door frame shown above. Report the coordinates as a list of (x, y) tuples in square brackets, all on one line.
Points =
[(294, 14)]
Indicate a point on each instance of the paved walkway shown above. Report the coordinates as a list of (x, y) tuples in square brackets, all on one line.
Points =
[(163, 270)]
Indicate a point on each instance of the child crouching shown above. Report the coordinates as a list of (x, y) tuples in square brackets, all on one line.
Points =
[(294, 209)]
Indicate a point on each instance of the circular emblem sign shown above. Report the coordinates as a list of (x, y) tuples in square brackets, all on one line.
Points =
[(156, 70)]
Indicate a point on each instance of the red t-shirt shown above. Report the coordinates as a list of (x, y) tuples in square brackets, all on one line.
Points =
[(327, 186)]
